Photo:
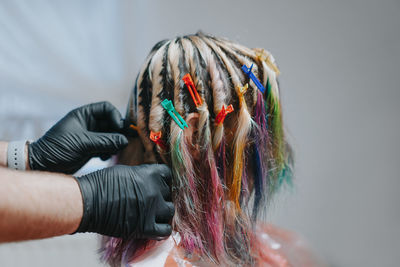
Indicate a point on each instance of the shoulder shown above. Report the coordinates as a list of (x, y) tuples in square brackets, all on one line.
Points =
[(281, 247)]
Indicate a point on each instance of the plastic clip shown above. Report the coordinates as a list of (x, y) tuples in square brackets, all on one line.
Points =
[(187, 79), (263, 55), (167, 104), (134, 127), (222, 114), (156, 138), (253, 77), (241, 90)]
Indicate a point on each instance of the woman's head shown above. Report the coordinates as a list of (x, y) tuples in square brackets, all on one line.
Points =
[(233, 154)]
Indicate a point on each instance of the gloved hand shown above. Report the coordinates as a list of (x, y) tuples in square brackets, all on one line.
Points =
[(128, 202), (85, 132)]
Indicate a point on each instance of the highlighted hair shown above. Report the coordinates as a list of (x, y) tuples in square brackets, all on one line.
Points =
[(220, 193)]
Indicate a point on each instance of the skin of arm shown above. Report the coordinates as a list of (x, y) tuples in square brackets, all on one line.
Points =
[(35, 205), (3, 154)]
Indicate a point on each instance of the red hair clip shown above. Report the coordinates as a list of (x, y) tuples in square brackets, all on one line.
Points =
[(222, 114), (187, 79), (156, 138)]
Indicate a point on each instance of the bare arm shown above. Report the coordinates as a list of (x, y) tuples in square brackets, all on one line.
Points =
[(3, 154), (37, 205)]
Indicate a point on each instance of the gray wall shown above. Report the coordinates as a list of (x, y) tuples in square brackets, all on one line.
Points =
[(340, 79)]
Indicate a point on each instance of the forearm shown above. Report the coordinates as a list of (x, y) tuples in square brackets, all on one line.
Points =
[(36, 205), (3, 154)]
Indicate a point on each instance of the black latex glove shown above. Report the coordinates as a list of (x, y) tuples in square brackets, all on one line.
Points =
[(85, 132), (128, 202)]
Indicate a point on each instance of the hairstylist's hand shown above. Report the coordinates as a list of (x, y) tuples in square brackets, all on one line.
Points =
[(128, 202), (85, 132)]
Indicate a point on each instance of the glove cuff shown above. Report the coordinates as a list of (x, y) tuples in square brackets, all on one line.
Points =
[(87, 198)]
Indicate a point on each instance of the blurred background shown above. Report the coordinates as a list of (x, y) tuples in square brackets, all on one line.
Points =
[(340, 77)]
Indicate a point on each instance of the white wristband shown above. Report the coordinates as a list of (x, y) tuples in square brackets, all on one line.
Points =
[(16, 155)]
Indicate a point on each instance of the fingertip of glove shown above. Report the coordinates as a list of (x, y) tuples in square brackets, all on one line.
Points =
[(171, 208), (164, 170), (122, 141), (121, 124), (163, 230), (105, 157)]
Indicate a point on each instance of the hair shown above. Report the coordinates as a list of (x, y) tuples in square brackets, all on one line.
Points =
[(220, 195)]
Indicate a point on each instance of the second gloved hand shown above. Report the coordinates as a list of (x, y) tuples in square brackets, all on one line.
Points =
[(85, 132), (128, 202)]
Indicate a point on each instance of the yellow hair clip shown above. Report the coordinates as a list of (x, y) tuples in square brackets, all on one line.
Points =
[(263, 55), (241, 90)]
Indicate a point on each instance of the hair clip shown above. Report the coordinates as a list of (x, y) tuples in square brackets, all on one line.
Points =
[(130, 129), (263, 55), (156, 138), (219, 119), (253, 77), (241, 90), (167, 104), (187, 79), (134, 127)]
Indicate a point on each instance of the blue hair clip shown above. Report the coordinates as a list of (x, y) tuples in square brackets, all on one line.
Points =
[(253, 77), (167, 104)]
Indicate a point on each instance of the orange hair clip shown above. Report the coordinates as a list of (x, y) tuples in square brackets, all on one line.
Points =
[(187, 79), (156, 138), (134, 127), (222, 114)]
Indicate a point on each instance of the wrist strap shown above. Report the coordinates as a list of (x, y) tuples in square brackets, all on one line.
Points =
[(16, 155)]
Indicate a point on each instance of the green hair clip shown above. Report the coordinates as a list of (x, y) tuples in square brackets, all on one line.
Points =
[(167, 104)]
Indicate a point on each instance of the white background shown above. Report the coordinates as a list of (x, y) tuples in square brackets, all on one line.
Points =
[(340, 83)]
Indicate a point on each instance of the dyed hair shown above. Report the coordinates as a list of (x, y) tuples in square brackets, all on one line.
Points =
[(219, 195)]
